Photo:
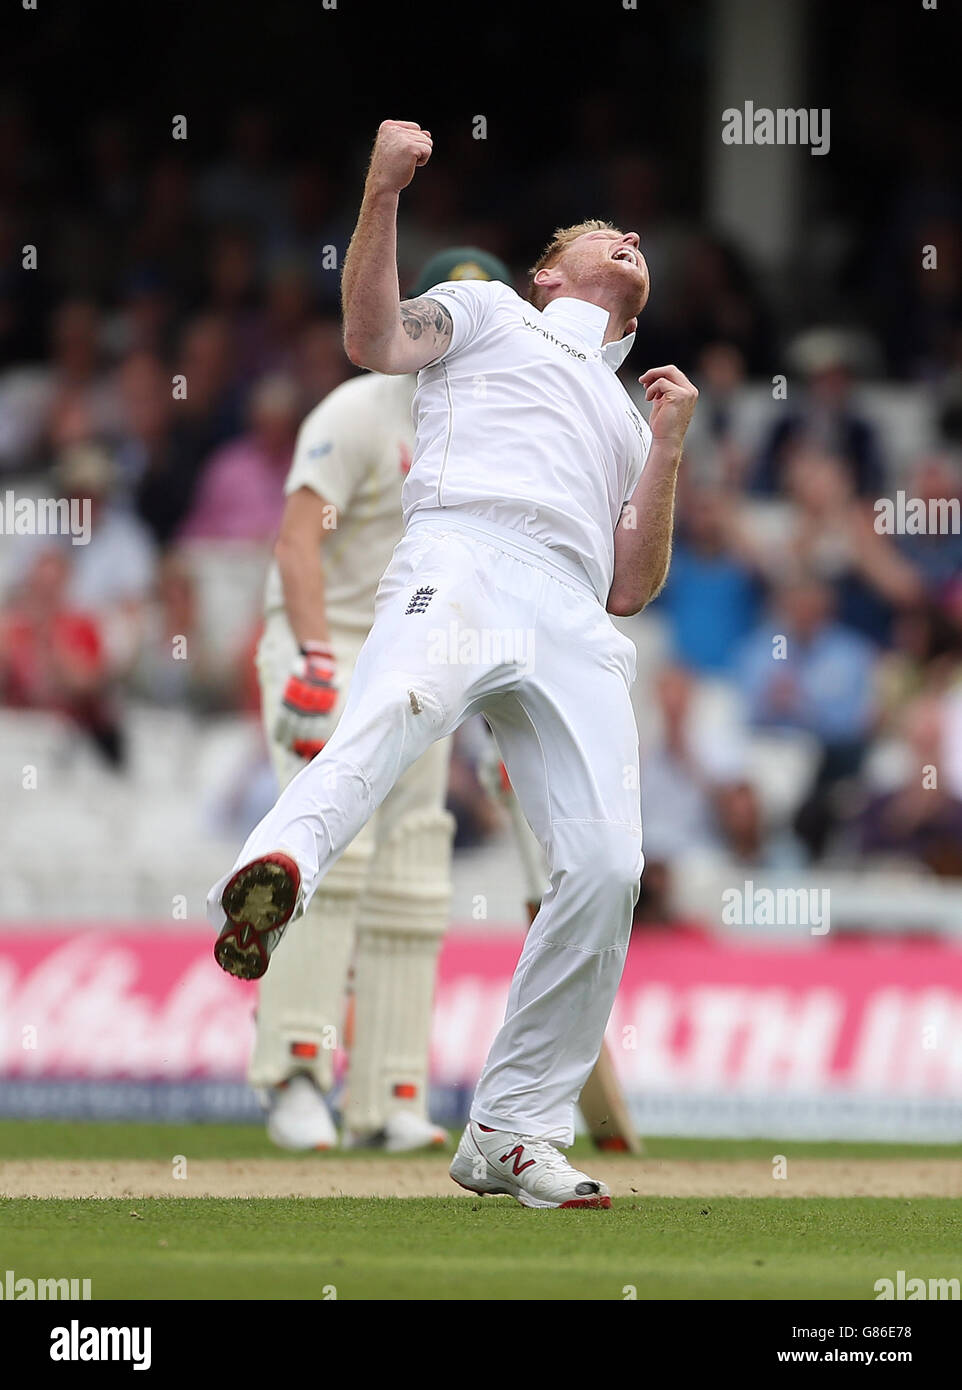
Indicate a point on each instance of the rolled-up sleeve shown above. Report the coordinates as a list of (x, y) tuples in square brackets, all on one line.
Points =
[(468, 302)]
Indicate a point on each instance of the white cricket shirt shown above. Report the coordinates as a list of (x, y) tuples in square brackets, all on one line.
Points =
[(523, 422), (354, 451)]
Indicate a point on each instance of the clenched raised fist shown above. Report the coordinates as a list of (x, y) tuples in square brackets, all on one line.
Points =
[(400, 148)]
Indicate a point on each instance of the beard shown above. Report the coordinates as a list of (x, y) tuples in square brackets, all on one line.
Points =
[(623, 288), (631, 284)]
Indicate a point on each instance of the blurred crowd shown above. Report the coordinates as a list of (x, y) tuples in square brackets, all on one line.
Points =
[(183, 317)]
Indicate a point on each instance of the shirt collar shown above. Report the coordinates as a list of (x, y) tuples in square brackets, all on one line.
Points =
[(589, 322)]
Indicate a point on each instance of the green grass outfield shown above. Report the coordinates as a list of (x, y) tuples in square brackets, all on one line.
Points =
[(459, 1247), (77, 1139)]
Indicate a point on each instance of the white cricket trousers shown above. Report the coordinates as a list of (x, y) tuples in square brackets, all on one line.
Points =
[(472, 617)]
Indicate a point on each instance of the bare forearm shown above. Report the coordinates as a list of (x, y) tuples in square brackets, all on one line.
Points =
[(643, 535), (302, 579), (369, 286), (379, 331)]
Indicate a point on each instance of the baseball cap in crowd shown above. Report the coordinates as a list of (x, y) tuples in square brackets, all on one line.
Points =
[(460, 263)]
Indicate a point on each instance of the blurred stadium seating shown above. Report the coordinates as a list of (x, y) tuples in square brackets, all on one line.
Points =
[(218, 259)]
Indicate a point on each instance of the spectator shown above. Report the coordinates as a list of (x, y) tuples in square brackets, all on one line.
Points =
[(241, 492), (71, 423), (52, 653), (173, 667), (937, 555), (31, 397), (142, 322), (154, 468), (114, 571), (679, 773), (272, 344), (803, 670), (711, 599), (926, 655), (828, 420), (738, 812), (828, 532), (723, 436), (211, 410), (920, 821)]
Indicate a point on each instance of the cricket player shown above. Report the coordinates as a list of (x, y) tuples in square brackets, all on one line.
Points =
[(385, 903), (539, 501)]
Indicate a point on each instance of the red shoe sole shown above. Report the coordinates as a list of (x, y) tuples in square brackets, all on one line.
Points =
[(239, 949)]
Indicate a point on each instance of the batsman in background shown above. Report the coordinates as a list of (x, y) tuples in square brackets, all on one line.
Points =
[(384, 906)]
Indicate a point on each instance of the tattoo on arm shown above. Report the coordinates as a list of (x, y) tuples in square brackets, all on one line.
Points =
[(426, 318)]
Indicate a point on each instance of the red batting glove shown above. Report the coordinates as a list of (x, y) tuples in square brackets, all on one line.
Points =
[(306, 720), (492, 773)]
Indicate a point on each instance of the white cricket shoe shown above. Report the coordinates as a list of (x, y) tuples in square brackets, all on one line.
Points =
[(299, 1117), (490, 1161), (403, 1132)]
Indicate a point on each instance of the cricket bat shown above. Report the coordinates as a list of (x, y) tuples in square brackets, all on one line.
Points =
[(606, 1111), (602, 1102)]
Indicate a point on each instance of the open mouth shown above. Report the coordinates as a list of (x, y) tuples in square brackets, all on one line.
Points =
[(627, 253)]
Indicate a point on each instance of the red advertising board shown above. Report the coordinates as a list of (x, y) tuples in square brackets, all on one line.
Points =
[(695, 1017)]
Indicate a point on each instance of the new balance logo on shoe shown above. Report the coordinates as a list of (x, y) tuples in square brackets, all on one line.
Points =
[(517, 1153), (420, 600)]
